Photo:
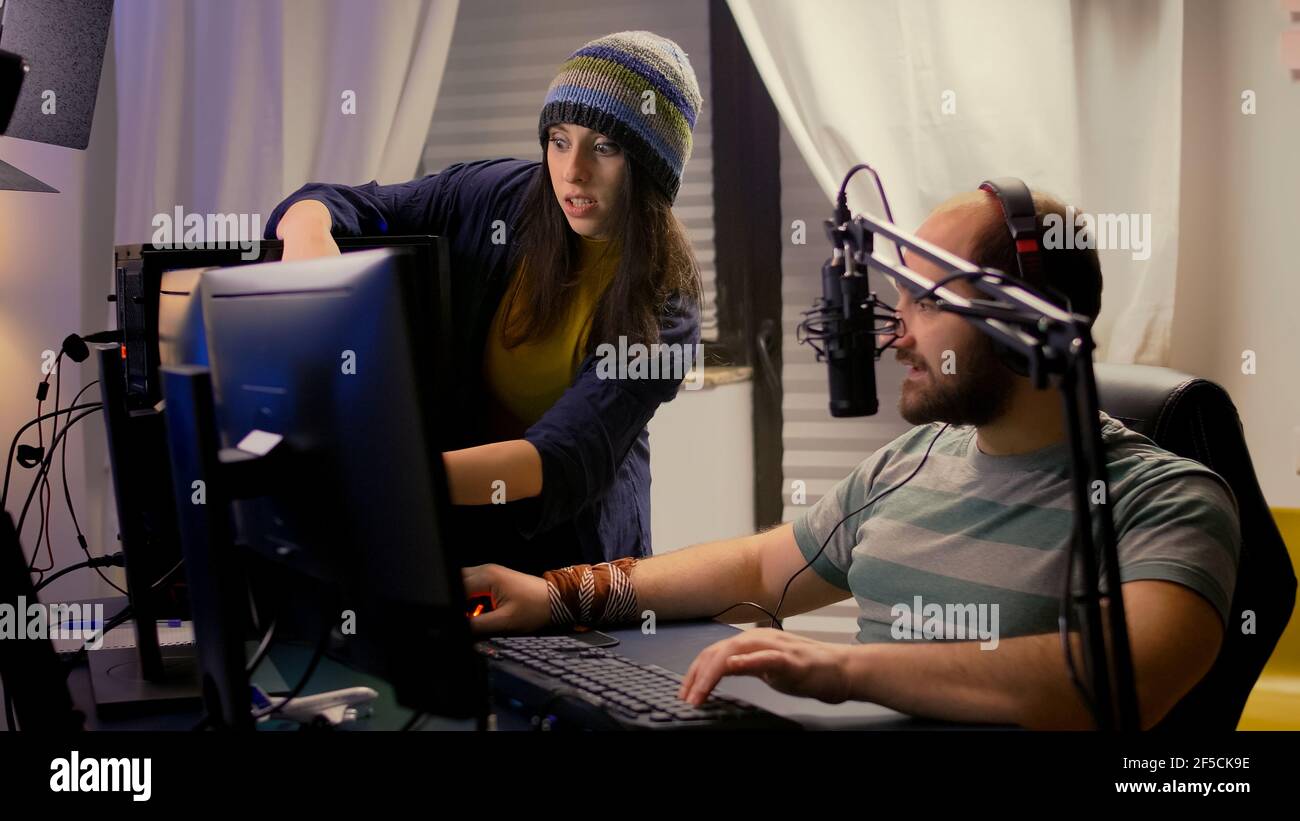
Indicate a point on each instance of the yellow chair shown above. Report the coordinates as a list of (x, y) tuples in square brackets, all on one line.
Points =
[(1274, 703)]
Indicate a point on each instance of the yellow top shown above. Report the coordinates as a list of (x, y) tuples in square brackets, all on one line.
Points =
[(525, 381)]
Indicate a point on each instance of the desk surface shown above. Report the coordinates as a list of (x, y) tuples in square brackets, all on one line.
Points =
[(672, 646)]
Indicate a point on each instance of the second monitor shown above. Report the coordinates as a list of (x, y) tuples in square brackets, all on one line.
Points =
[(324, 396)]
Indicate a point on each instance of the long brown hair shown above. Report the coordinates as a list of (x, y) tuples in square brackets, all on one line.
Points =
[(655, 261)]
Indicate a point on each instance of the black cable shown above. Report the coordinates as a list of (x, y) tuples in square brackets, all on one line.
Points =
[(45, 466), (1063, 624), (13, 444), (46, 493), (67, 498), (124, 614), (317, 655), (42, 532), (45, 482), (42, 391), (114, 560), (263, 648), (842, 201), (755, 605), (867, 504), (775, 616), (167, 576)]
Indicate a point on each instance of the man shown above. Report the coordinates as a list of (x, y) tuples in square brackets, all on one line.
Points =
[(970, 511)]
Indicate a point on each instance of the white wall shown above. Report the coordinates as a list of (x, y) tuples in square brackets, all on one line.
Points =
[(56, 258), (1239, 287), (702, 467)]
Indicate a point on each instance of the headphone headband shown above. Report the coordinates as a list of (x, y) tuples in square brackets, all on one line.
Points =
[(1018, 210)]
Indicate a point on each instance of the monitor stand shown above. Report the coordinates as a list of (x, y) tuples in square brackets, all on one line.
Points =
[(121, 690)]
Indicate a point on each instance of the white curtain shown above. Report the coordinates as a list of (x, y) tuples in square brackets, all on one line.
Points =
[(226, 107), (1081, 99)]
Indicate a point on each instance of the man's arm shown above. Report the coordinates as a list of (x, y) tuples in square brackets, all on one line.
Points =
[(704, 579), (694, 582), (1174, 637)]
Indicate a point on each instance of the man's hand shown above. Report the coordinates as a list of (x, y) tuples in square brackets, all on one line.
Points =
[(791, 664), (522, 604)]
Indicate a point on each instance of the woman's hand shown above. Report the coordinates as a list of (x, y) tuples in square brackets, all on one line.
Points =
[(791, 664), (522, 602), (305, 229)]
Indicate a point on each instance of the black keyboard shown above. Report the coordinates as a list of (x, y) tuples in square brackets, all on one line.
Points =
[(567, 681)]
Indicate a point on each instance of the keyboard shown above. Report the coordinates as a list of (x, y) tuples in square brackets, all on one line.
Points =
[(570, 683)]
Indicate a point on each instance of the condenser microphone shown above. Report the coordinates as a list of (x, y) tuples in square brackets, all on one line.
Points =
[(850, 344)]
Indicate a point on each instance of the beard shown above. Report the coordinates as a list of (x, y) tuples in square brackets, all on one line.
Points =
[(976, 394)]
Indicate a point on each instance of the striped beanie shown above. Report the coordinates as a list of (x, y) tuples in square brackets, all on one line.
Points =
[(638, 89)]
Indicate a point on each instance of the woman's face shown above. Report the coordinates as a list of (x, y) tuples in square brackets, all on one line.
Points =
[(587, 170)]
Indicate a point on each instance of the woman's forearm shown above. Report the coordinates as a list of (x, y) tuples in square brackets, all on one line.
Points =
[(304, 217), (495, 473)]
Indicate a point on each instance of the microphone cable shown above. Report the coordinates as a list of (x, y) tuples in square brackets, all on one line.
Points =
[(776, 621)]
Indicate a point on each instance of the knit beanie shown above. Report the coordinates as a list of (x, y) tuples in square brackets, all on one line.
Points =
[(636, 88)]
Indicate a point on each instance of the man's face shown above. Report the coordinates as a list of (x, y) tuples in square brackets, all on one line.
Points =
[(587, 171), (955, 375)]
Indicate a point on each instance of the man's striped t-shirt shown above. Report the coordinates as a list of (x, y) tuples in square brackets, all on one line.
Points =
[(974, 529)]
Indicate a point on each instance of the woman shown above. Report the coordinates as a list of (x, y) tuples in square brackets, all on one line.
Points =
[(549, 260)]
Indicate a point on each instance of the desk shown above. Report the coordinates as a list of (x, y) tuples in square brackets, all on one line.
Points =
[(675, 645), (672, 646)]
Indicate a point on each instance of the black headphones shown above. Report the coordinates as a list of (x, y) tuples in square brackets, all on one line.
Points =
[(1022, 221)]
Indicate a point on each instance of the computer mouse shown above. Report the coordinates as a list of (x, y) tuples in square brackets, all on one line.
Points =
[(479, 603)]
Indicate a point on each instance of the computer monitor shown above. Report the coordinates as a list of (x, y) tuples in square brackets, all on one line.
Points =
[(156, 304), (161, 322), (324, 411), (147, 677), (180, 318)]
